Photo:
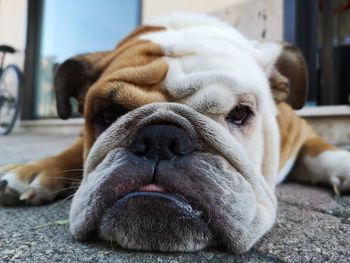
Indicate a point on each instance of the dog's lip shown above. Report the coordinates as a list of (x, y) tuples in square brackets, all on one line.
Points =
[(154, 191), (178, 200)]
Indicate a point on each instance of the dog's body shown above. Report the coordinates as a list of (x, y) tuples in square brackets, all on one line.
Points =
[(183, 143)]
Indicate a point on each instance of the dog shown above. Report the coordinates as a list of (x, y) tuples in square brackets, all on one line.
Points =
[(188, 128)]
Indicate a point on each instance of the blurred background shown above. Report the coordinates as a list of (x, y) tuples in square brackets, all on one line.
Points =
[(46, 32)]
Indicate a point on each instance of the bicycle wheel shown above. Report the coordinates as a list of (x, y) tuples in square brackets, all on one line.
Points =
[(11, 86)]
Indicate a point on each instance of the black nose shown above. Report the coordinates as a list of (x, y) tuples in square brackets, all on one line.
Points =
[(162, 142)]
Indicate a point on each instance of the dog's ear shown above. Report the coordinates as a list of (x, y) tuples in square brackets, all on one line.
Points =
[(289, 77), (287, 71), (74, 77)]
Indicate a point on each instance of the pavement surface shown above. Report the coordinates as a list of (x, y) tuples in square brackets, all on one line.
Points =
[(312, 225)]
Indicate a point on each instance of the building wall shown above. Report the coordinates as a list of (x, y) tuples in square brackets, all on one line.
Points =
[(13, 27), (154, 8), (261, 19)]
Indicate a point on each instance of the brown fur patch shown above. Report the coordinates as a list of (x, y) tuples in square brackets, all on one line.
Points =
[(131, 79), (315, 146), (294, 131), (297, 136)]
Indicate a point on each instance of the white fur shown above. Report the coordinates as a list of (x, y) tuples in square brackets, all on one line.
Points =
[(202, 51), (14, 183), (331, 167), (283, 173), (41, 191)]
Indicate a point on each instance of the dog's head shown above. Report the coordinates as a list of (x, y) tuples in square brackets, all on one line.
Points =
[(181, 141)]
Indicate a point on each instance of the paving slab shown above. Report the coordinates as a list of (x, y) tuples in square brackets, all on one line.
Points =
[(312, 224)]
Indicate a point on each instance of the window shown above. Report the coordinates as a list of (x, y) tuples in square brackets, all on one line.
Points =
[(321, 29), (68, 28)]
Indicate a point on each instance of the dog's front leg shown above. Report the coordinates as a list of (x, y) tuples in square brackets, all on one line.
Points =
[(43, 180)]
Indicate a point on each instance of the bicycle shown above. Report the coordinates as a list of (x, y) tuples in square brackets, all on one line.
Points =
[(11, 87)]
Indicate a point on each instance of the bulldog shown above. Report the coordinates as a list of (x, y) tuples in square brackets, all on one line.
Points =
[(186, 135)]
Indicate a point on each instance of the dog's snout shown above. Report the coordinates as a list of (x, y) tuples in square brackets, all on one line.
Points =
[(162, 142)]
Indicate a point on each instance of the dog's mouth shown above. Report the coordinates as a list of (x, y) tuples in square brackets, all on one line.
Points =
[(172, 201), (159, 193), (152, 219)]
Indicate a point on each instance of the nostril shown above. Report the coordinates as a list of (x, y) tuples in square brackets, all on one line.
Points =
[(139, 149), (162, 142), (174, 147), (141, 146), (177, 147), (182, 146), (146, 144)]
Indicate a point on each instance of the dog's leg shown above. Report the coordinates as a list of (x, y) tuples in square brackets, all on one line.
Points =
[(321, 162), (312, 158), (43, 180)]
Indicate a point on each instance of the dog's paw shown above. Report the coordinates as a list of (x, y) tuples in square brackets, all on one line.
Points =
[(341, 181), (332, 167), (31, 184), (339, 171)]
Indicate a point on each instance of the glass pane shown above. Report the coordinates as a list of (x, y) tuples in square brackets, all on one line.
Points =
[(71, 27)]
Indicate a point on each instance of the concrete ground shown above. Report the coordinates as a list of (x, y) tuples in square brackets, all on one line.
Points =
[(312, 225)]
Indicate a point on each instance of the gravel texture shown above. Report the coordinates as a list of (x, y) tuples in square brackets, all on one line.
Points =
[(312, 225)]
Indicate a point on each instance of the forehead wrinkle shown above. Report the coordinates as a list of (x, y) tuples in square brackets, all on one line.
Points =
[(209, 106), (145, 76), (249, 99), (219, 56), (131, 96), (140, 54), (214, 102), (187, 76), (216, 98)]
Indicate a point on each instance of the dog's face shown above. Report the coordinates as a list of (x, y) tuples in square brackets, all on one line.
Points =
[(181, 140)]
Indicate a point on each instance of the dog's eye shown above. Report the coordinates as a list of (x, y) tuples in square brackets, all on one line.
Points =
[(108, 117), (104, 117), (239, 115), (104, 120)]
